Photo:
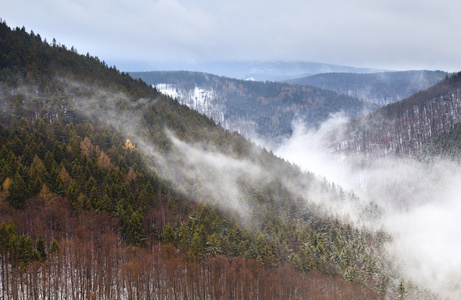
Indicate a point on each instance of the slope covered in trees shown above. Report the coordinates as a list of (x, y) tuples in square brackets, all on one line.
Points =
[(446, 145), (408, 126), (379, 88), (111, 190), (266, 108)]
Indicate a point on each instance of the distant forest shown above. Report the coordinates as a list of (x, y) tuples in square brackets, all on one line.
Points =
[(379, 88), (410, 126), (272, 106)]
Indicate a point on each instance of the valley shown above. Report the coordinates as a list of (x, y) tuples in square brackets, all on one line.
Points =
[(255, 109), (152, 185)]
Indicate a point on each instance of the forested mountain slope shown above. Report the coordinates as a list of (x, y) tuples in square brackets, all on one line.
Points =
[(408, 126), (379, 88), (265, 108), (111, 190), (446, 145)]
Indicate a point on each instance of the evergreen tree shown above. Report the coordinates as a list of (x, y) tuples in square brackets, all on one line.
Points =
[(213, 245), (168, 234), (402, 290), (72, 193), (196, 246), (17, 192), (41, 248), (54, 248), (135, 229)]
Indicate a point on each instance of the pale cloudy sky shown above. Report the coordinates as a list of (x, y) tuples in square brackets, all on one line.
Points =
[(386, 34)]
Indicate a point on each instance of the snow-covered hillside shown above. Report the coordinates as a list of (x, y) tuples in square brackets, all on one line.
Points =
[(209, 103), (202, 100)]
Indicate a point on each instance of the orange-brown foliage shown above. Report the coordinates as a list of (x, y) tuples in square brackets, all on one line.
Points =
[(86, 146)]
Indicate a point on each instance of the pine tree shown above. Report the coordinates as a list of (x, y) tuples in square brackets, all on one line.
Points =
[(17, 192), (381, 286), (72, 193), (183, 237), (54, 248), (41, 248), (213, 245), (168, 234), (196, 245), (402, 290), (135, 229), (25, 250)]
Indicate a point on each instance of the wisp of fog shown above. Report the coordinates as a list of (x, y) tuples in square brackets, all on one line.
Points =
[(193, 169)]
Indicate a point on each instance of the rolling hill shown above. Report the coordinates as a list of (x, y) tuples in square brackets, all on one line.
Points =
[(260, 70), (266, 109)]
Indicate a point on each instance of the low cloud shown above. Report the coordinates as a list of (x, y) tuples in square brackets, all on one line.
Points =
[(308, 148), (420, 203)]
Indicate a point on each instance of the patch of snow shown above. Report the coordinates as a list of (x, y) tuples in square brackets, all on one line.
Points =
[(205, 101)]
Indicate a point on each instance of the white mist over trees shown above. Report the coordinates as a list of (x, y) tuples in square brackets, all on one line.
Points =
[(417, 202)]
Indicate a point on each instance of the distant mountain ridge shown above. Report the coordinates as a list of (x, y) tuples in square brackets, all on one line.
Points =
[(380, 88), (262, 70), (265, 108)]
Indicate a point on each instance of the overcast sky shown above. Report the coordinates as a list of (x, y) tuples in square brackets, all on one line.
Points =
[(385, 34)]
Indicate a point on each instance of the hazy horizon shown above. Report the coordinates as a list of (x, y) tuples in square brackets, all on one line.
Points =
[(391, 35)]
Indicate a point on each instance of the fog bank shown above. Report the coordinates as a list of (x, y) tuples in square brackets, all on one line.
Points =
[(421, 202)]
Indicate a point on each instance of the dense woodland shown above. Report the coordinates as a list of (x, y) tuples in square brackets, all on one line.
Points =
[(271, 106), (446, 145), (86, 213), (380, 88), (409, 126)]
